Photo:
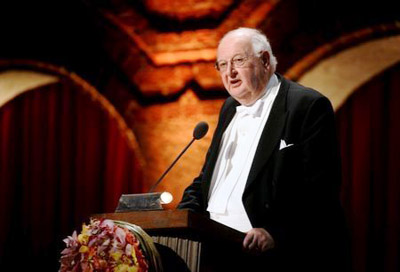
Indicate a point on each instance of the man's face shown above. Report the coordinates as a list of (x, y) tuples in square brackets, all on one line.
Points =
[(243, 74)]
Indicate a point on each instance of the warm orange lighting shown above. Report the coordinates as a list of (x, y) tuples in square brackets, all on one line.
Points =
[(169, 58), (186, 9)]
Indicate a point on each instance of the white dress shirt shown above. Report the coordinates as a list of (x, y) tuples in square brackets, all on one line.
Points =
[(238, 147)]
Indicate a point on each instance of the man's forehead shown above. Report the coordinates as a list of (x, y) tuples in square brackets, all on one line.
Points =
[(234, 45)]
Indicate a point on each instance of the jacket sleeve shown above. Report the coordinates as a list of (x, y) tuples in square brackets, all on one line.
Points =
[(308, 210), (321, 160)]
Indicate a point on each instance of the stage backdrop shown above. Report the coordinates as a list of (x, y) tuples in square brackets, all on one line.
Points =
[(369, 132), (65, 153)]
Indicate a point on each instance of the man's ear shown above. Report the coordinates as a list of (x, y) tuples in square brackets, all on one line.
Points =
[(265, 58)]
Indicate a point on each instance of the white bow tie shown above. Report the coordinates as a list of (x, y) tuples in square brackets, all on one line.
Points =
[(254, 110)]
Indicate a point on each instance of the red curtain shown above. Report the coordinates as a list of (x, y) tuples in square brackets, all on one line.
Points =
[(63, 157), (369, 131)]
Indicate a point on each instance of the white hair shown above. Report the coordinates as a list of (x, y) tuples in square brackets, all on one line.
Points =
[(258, 40)]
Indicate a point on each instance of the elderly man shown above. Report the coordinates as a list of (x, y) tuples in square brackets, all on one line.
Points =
[(273, 169)]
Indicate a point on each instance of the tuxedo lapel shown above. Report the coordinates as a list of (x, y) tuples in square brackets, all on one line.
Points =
[(271, 134)]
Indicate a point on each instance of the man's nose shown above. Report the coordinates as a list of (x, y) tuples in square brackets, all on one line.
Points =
[(231, 70)]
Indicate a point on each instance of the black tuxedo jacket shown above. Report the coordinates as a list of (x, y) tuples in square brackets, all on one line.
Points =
[(293, 193)]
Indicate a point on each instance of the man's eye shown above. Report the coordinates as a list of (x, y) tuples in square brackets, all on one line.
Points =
[(238, 60), (222, 65)]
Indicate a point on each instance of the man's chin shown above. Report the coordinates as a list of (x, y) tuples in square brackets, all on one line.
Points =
[(236, 91), (240, 97)]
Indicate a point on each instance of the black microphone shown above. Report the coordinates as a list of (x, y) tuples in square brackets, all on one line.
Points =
[(199, 132)]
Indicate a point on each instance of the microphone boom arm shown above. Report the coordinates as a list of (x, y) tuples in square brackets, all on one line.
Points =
[(169, 168)]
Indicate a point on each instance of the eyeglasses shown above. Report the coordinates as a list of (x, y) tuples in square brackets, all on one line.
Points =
[(237, 62)]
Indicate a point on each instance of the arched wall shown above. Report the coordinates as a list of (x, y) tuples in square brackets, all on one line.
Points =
[(65, 154), (340, 75), (15, 82), (339, 68)]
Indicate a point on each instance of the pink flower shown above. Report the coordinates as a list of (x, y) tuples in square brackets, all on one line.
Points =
[(120, 235), (104, 247)]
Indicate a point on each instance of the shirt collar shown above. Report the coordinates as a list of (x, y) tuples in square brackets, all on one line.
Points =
[(256, 108)]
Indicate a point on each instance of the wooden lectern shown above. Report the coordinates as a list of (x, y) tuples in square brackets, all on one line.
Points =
[(203, 244)]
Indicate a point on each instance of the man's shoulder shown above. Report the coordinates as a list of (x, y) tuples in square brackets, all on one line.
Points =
[(297, 90), (298, 93)]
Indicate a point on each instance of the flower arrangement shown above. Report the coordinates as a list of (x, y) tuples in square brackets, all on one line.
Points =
[(103, 246)]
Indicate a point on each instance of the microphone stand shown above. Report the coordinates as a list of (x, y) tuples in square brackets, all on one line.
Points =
[(152, 200)]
